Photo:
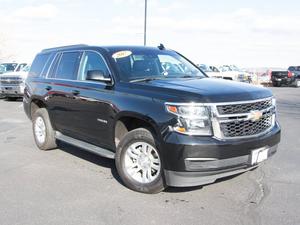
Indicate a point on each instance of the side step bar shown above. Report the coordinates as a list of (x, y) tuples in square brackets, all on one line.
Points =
[(86, 146)]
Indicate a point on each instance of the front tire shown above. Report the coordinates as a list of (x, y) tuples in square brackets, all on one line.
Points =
[(43, 133), (139, 163)]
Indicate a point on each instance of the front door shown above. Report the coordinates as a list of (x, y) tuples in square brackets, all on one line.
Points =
[(92, 112)]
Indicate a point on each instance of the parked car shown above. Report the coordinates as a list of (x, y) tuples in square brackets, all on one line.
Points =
[(289, 77), (12, 84), (162, 127), (211, 73), (232, 72)]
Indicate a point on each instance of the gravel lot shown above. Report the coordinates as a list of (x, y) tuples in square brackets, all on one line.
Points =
[(70, 186)]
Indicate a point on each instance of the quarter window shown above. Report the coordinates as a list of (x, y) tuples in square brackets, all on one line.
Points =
[(92, 61), (38, 65), (68, 65)]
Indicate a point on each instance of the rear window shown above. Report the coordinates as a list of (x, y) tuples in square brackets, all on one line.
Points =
[(294, 68), (68, 66), (38, 65)]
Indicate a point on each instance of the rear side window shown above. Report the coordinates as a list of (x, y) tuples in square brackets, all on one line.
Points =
[(68, 66), (38, 65)]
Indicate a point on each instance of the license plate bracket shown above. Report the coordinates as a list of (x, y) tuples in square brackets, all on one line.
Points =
[(259, 155)]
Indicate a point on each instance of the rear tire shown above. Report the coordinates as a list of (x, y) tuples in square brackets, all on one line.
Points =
[(43, 132), (139, 162), (276, 84), (12, 99), (297, 83)]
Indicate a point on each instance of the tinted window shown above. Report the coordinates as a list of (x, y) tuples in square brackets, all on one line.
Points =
[(38, 65), (68, 65), (10, 67), (48, 64), (92, 61), (20, 67), (294, 68), (52, 69)]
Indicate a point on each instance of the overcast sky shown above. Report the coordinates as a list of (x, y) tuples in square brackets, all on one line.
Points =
[(248, 34)]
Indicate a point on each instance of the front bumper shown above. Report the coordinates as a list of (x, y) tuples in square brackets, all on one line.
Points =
[(192, 161), (12, 91)]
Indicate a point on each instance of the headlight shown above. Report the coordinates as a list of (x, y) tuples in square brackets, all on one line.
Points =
[(192, 119), (274, 102)]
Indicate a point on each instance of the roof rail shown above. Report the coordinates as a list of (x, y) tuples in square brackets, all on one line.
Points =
[(64, 47)]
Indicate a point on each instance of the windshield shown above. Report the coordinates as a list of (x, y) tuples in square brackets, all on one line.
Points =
[(205, 68), (26, 68), (136, 64), (225, 68), (235, 68), (2, 69), (7, 67), (214, 69)]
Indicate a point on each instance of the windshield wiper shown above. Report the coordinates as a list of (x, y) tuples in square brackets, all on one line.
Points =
[(146, 79), (191, 76)]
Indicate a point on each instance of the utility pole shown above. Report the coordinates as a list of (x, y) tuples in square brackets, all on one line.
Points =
[(145, 24)]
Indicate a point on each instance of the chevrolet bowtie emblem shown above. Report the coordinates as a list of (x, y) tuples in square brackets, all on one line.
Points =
[(255, 116)]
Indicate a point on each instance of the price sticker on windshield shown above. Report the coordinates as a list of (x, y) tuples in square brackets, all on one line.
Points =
[(121, 54)]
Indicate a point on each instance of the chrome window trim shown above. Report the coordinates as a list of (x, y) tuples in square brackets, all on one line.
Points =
[(80, 64), (78, 81)]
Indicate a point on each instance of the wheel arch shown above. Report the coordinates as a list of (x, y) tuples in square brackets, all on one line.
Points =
[(127, 121), (36, 104)]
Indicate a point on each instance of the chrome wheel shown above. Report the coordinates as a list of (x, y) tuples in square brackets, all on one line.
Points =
[(142, 162), (40, 130)]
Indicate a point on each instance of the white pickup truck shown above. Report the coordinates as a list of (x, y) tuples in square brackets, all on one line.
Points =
[(232, 72), (12, 83)]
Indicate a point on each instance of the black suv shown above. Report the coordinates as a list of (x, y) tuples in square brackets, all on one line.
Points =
[(152, 110)]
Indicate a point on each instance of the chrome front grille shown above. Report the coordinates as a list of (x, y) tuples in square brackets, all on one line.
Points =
[(246, 128), (243, 119), (10, 80), (244, 108)]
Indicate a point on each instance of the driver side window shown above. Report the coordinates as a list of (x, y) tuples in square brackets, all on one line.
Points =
[(92, 61)]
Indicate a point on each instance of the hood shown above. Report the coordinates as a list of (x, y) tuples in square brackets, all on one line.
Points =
[(205, 90)]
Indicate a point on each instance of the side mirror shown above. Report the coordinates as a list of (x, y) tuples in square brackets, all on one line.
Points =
[(97, 75)]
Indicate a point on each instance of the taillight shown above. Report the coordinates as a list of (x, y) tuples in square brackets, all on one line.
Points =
[(270, 73), (290, 74)]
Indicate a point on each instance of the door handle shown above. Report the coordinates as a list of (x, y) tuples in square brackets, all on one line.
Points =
[(48, 88), (75, 92)]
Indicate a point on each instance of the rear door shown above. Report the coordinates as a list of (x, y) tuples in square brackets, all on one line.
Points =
[(61, 83)]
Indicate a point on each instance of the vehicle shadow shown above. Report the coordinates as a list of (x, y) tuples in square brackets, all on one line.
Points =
[(195, 188), (90, 157), (109, 163), (12, 100)]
